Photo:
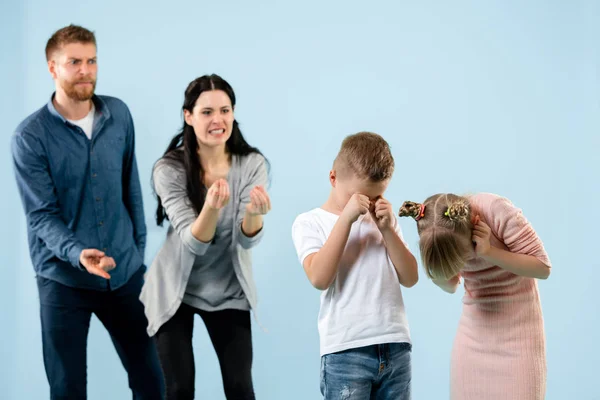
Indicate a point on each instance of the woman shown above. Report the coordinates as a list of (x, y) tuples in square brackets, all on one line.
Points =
[(210, 186)]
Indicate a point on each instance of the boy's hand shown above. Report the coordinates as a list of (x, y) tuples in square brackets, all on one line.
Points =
[(357, 205), (382, 213)]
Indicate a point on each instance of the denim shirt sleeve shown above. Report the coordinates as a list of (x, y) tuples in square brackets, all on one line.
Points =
[(255, 174), (38, 196), (132, 190), (169, 185)]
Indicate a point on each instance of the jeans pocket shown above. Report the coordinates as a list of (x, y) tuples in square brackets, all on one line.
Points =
[(322, 375)]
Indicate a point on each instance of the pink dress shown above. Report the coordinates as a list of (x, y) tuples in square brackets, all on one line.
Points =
[(499, 350)]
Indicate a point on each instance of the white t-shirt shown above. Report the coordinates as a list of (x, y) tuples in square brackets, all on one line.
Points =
[(86, 123), (364, 305)]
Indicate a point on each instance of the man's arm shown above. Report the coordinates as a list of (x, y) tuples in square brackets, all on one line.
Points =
[(38, 196), (132, 191)]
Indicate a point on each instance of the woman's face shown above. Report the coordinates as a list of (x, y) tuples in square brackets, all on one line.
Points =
[(212, 118)]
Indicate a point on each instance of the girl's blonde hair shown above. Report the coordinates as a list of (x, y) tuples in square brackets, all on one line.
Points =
[(444, 226)]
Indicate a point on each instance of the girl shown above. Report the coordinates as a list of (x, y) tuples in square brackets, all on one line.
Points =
[(499, 349)]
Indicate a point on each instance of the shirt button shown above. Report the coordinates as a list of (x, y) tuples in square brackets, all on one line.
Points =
[(101, 223), (98, 199), (105, 249), (93, 175)]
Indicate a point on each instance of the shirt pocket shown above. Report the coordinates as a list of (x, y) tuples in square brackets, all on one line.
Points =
[(112, 152)]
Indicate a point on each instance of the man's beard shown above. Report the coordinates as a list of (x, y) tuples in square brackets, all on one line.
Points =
[(79, 93)]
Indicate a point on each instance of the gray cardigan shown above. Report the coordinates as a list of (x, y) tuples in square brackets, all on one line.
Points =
[(167, 277)]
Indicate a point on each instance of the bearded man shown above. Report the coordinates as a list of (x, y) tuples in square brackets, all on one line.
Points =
[(77, 176)]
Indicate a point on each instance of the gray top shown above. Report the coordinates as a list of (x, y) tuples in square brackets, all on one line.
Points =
[(167, 278), (212, 285)]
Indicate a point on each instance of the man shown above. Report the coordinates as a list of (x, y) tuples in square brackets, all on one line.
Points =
[(77, 175)]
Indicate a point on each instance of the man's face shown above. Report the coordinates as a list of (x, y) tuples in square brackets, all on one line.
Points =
[(73, 67)]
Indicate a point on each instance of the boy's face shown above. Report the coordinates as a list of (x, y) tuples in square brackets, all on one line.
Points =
[(345, 186)]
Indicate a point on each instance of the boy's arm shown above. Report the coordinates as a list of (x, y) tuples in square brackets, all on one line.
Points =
[(321, 267), (403, 260), (320, 258)]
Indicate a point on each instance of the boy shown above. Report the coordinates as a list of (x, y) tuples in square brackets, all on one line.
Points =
[(352, 249)]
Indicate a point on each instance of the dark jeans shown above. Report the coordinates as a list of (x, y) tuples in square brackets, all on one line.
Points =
[(66, 313), (230, 333)]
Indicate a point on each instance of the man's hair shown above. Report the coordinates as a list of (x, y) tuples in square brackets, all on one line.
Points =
[(67, 35)]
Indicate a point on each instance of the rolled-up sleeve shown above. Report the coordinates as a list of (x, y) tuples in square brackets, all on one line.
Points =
[(169, 185), (255, 174)]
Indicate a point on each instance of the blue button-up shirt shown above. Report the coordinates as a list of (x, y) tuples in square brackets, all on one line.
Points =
[(79, 193)]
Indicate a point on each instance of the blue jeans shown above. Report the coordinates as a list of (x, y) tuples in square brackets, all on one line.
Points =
[(65, 314), (377, 372)]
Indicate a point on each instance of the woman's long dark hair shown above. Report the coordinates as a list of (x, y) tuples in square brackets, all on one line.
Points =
[(184, 146)]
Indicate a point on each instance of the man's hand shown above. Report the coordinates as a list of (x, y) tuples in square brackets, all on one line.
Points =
[(96, 262)]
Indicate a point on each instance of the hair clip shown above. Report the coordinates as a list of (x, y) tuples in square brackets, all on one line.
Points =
[(421, 213), (412, 209)]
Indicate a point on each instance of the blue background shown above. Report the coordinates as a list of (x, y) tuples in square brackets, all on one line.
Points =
[(496, 96)]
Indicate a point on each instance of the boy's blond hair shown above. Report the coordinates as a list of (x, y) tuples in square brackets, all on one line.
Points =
[(366, 155)]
